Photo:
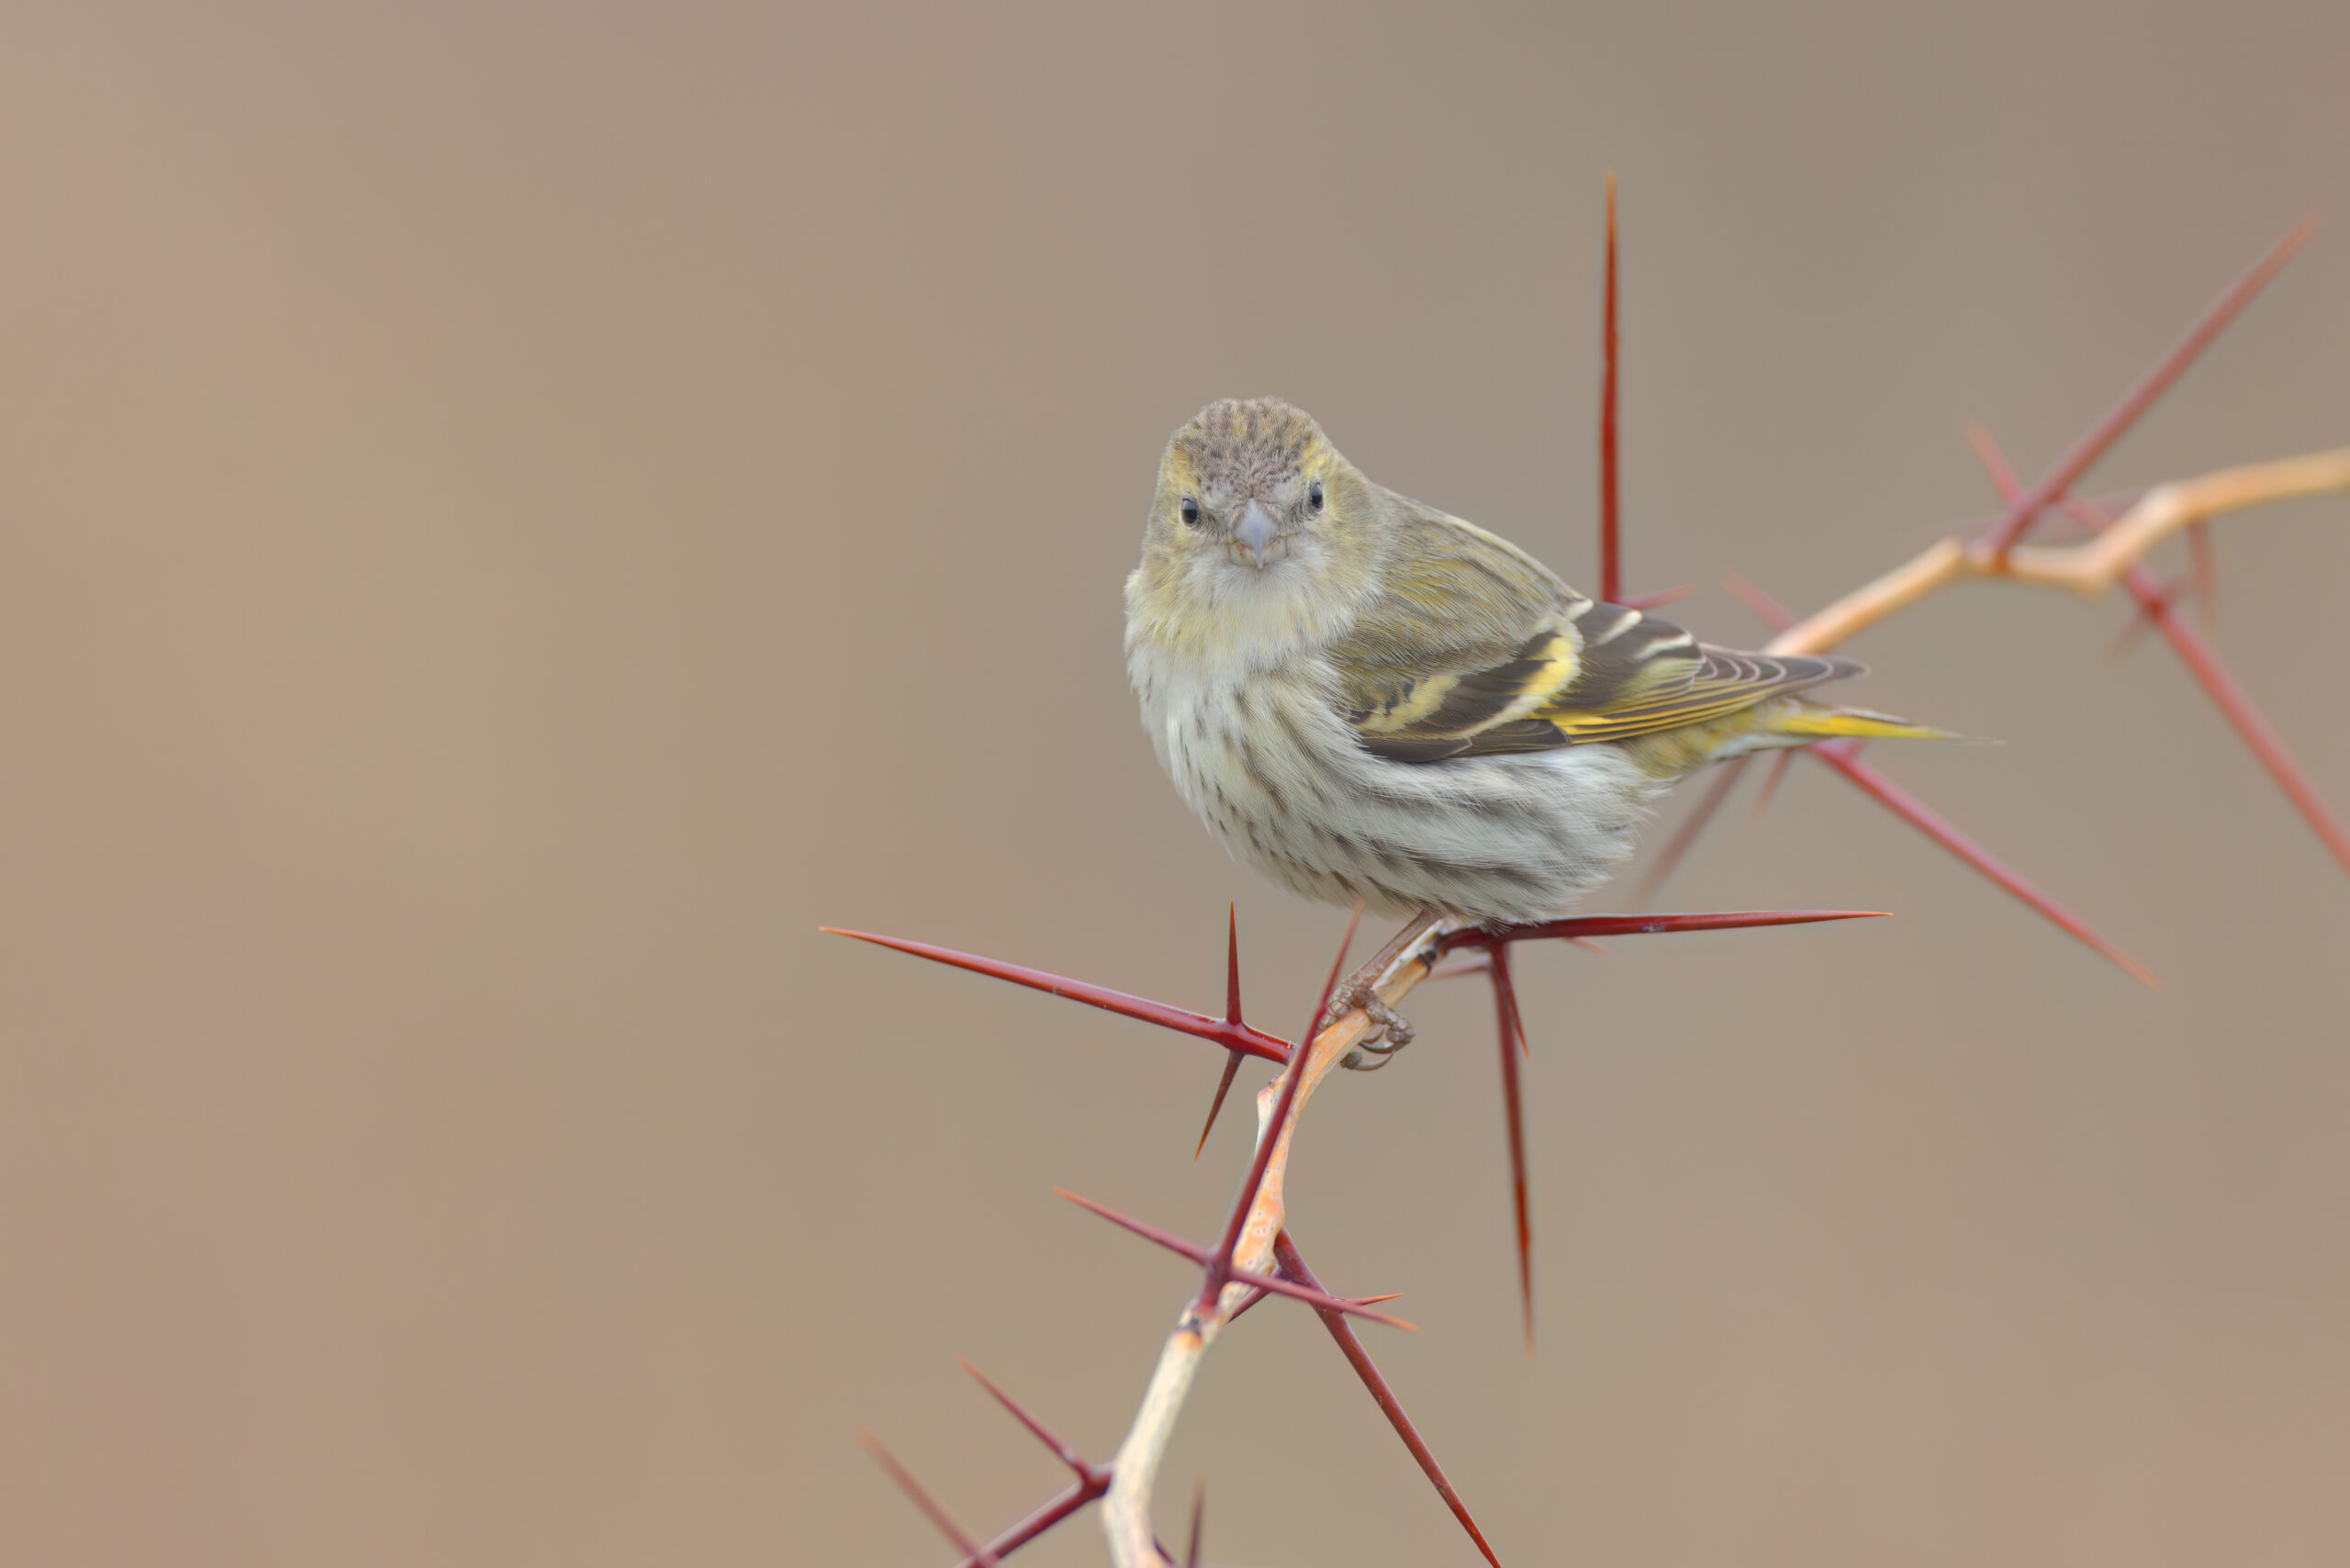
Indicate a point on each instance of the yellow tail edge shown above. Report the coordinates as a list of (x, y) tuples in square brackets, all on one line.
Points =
[(1828, 723)]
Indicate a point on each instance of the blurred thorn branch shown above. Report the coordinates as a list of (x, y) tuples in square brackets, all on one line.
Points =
[(2088, 569)]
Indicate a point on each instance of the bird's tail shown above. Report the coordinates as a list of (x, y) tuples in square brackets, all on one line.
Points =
[(1803, 723)]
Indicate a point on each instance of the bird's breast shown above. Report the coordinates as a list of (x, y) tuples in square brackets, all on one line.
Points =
[(1242, 746)]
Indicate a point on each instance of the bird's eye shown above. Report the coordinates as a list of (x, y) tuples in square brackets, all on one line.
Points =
[(1313, 496), (1191, 511)]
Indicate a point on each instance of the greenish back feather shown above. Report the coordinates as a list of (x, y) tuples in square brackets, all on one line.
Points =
[(1474, 647)]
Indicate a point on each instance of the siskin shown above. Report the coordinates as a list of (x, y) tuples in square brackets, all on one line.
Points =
[(1368, 699)]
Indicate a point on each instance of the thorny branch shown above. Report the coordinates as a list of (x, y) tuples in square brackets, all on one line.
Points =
[(1256, 1257), (2088, 569)]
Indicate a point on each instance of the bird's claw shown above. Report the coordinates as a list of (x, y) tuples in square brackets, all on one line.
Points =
[(1390, 1030)]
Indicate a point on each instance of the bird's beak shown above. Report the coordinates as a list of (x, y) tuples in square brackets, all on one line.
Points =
[(1256, 538)]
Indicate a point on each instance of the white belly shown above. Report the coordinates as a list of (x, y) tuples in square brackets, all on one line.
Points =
[(1265, 761)]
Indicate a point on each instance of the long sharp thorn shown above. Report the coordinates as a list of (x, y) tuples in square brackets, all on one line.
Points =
[(1219, 1267), (1060, 1506), (1844, 757), (1215, 1106), (1232, 1036), (2005, 480), (1037, 1430), (1338, 967), (1611, 561), (1199, 1507), (2148, 615), (1505, 998), (2203, 662), (1765, 609), (1350, 1345), (1514, 1112), (1587, 925), (1771, 781), (2126, 409), (2236, 706), (1922, 817), (2203, 571), (1251, 1299), (1232, 963), (921, 1499), (1231, 1016), (1661, 598), (1199, 1254), (1686, 835)]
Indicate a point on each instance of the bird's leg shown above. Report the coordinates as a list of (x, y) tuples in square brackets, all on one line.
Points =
[(1390, 1030)]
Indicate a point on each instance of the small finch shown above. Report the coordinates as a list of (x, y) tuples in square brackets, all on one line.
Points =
[(1368, 699)]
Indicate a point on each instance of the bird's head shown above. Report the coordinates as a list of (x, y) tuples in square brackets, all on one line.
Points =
[(1257, 517)]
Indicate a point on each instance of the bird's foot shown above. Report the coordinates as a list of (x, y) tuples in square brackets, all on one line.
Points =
[(1390, 1030)]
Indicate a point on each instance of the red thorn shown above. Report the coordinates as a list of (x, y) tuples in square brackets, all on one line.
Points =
[(1663, 597), (1037, 1430), (1060, 1506), (1232, 964), (2203, 571), (2114, 502), (1199, 1507), (1215, 1106), (2203, 662), (2165, 596), (1232, 1036), (1611, 570), (1199, 1254), (1686, 833), (1992, 462), (2126, 409), (1768, 610), (1350, 1346), (1219, 1265), (1577, 925), (1338, 967), (1771, 782), (2235, 704), (1257, 1295), (1514, 1112), (1922, 817), (921, 1499), (1231, 1016), (2004, 481)]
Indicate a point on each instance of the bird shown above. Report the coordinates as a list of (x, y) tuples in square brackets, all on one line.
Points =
[(1370, 701)]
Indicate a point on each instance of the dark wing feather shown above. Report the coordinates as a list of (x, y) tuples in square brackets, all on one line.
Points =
[(1601, 672), (1474, 647)]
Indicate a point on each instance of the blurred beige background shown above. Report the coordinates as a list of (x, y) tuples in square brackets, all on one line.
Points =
[(512, 517)]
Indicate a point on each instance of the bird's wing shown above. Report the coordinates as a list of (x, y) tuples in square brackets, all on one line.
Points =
[(1474, 647)]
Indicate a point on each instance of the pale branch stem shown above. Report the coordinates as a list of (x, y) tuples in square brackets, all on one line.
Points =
[(1125, 1508), (2088, 569)]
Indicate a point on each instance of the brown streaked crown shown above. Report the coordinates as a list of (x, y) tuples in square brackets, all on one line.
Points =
[(1251, 446)]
